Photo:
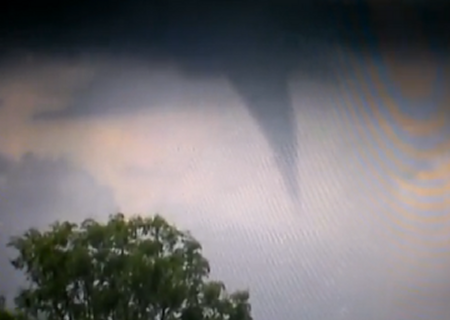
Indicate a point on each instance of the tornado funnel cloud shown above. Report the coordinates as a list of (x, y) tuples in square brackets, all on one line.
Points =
[(267, 97)]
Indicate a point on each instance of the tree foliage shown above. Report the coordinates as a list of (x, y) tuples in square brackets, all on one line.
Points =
[(127, 269)]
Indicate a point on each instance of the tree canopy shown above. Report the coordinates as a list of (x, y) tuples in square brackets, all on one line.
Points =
[(127, 269)]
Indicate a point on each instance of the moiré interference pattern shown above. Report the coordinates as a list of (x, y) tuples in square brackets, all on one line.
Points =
[(395, 101)]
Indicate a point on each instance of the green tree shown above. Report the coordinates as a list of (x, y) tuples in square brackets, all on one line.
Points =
[(127, 269)]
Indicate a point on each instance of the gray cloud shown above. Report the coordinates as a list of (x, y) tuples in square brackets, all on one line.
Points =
[(255, 47), (136, 86), (260, 49)]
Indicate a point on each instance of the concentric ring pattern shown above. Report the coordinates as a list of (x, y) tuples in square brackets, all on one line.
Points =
[(395, 101)]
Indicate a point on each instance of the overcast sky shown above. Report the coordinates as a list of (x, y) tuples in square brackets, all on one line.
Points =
[(311, 165)]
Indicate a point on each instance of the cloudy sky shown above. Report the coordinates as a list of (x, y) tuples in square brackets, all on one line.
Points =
[(307, 149)]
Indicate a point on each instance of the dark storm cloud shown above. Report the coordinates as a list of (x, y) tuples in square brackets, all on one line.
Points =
[(256, 47), (35, 192), (253, 48)]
